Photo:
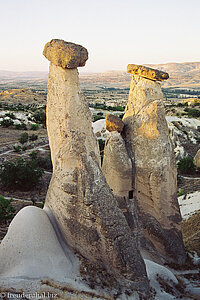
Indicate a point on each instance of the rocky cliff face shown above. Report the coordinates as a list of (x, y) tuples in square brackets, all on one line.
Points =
[(79, 199), (149, 146)]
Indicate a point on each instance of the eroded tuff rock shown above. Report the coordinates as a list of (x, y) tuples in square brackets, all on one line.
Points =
[(79, 198), (149, 146), (117, 166), (197, 159), (114, 123), (118, 170), (147, 72), (65, 54)]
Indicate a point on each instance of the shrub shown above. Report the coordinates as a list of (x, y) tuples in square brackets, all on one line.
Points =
[(6, 210), (21, 126), (186, 165), (10, 115), (45, 163), (96, 118), (180, 104), (116, 108), (180, 192), (20, 174), (34, 127), (40, 116), (17, 149), (42, 162), (192, 112), (23, 138), (33, 137), (6, 123), (33, 155)]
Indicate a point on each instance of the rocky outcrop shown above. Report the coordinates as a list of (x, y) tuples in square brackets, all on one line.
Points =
[(114, 123), (147, 72), (79, 199), (31, 249), (150, 148), (118, 171), (65, 54), (197, 159), (117, 166)]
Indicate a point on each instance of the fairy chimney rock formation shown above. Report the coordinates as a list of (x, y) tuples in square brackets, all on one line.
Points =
[(197, 159), (79, 199), (146, 72), (155, 174), (65, 54), (114, 123), (117, 166)]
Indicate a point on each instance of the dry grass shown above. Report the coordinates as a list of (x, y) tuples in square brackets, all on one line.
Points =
[(75, 293), (191, 233)]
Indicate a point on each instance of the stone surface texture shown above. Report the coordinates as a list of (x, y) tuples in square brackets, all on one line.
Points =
[(31, 249), (79, 198), (147, 72), (118, 170), (197, 159), (114, 123), (65, 54), (117, 166), (150, 148)]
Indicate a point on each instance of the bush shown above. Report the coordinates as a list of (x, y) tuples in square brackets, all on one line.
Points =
[(180, 192), (96, 118), (40, 117), (10, 115), (34, 127), (17, 149), (192, 112), (6, 123), (186, 165), (21, 126), (20, 174), (23, 138), (42, 162), (33, 155), (33, 137), (6, 210), (45, 163)]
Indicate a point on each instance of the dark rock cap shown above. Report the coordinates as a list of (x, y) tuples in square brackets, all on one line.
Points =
[(113, 123), (146, 72), (65, 54)]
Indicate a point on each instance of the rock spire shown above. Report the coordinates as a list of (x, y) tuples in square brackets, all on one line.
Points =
[(79, 199), (155, 175)]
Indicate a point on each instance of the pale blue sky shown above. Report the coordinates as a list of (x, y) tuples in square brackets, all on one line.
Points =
[(115, 32)]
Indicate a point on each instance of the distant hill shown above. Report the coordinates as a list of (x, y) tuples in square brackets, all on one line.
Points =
[(181, 75), (22, 75)]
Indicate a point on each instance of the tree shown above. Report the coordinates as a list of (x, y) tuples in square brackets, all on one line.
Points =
[(23, 138), (6, 210), (20, 174), (186, 165)]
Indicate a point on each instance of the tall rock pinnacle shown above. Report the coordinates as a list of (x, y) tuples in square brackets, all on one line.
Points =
[(150, 148), (79, 199)]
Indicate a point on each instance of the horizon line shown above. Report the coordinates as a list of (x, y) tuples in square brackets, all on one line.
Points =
[(96, 72)]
